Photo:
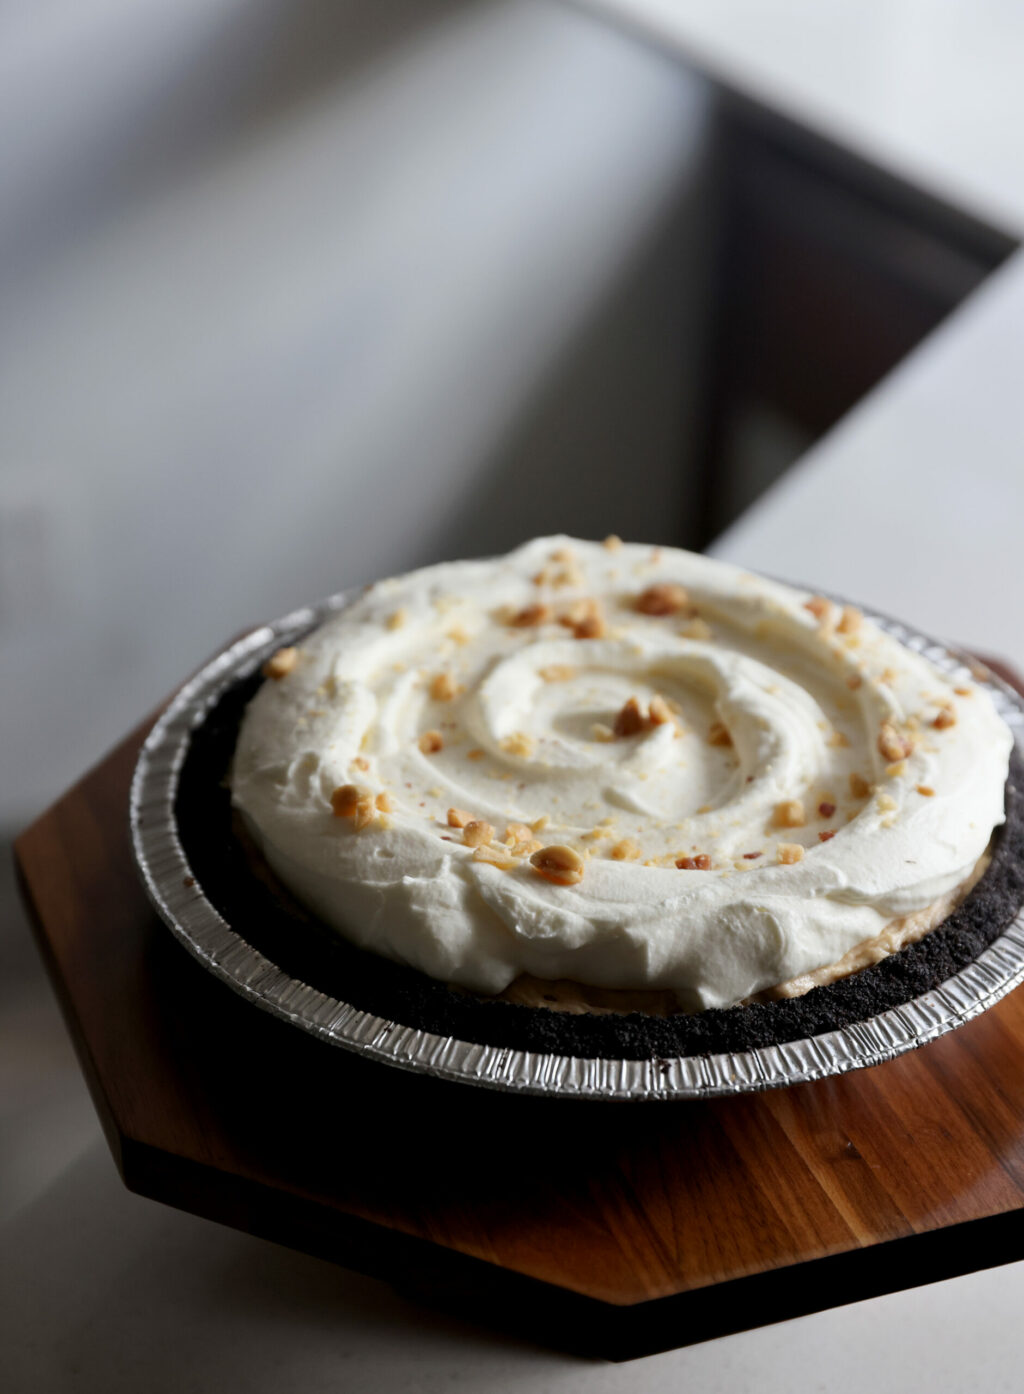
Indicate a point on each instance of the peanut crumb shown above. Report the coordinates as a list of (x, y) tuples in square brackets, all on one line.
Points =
[(477, 833), (612, 542), (945, 719), (366, 812), (361, 763), (789, 814), (561, 865), (926, 791), (624, 851), (529, 616), (892, 743), (396, 620), (854, 681), (859, 786), (458, 818), (897, 768), (458, 635), (820, 608), (701, 862), (431, 742), (663, 598), (384, 803), (539, 824), (495, 856), (886, 803), (601, 732), (718, 734), (518, 832), (789, 853), (659, 711), (280, 664), (630, 720), (444, 688), (557, 672), (518, 743), (962, 691), (849, 620), (475, 754), (697, 629), (838, 739), (344, 800)]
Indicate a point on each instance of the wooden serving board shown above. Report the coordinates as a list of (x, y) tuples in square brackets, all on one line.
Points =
[(608, 1229)]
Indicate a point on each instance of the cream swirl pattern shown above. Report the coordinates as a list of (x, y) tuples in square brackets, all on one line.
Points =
[(751, 780)]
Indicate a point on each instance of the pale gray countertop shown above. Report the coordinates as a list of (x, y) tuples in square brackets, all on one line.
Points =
[(913, 503)]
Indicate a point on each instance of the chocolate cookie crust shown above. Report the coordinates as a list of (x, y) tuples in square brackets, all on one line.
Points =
[(257, 907)]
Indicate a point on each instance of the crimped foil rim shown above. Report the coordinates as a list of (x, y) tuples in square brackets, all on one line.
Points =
[(223, 951)]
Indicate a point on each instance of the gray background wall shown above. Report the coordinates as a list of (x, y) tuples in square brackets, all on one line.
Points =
[(299, 294)]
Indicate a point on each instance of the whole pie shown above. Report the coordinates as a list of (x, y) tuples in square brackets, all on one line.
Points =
[(611, 778)]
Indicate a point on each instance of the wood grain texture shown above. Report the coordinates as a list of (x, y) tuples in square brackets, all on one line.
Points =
[(613, 1229)]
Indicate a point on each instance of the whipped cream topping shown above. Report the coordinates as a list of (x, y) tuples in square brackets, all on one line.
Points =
[(789, 779)]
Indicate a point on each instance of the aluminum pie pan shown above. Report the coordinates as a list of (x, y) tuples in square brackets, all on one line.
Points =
[(224, 951)]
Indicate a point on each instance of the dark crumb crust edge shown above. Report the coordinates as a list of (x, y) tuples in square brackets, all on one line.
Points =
[(258, 908)]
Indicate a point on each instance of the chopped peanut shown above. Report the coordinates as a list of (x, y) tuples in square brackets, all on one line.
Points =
[(630, 719), (477, 833), (444, 688), (366, 812), (384, 803), (789, 853), (664, 598), (518, 832), (789, 814), (557, 672), (718, 734), (431, 742), (518, 743), (495, 856), (613, 542), (892, 743), (897, 768), (926, 791), (539, 824), (659, 712), (593, 627), (696, 629), (396, 620), (280, 664), (849, 620), (458, 817), (945, 719), (361, 763), (962, 691), (701, 862), (561, 865), (529, 616), (854, 681), (344, 800), (820, 608), (601, 732), (859, 787), (624, 851)]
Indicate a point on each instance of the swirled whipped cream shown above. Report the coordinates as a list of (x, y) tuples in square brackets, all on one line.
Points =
[(634, 768)]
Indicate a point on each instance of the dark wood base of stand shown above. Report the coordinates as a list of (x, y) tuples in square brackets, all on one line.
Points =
[(606, 1229)]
